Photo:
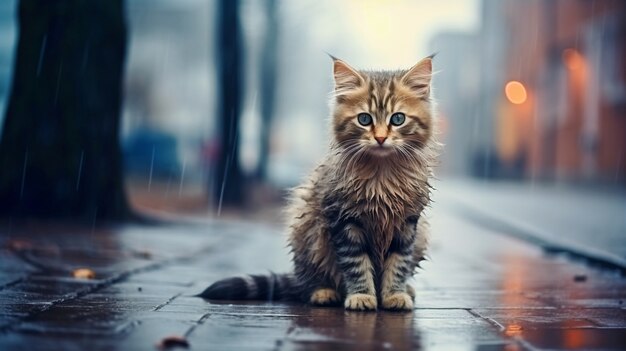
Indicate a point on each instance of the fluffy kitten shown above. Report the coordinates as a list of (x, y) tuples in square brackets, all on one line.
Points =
[(355, 226)]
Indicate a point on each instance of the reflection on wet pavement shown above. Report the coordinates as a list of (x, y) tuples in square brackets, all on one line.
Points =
[(480, 290)]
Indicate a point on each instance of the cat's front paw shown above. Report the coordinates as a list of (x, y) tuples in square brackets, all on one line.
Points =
[(399, 301), (324, 297), (361, 302)]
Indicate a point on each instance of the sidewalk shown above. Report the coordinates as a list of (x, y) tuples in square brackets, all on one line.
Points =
[(588, 223), (480, 291)]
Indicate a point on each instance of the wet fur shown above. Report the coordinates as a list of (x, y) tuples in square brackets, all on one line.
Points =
[(356, 229)]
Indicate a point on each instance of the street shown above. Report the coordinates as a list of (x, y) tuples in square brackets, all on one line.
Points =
[(148, 149), (480, 290)]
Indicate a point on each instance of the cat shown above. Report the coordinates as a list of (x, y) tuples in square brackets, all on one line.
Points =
[(356, 229)]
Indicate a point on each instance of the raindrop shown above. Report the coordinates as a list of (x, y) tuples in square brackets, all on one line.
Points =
[(182, 177), (254, 100), (219, 204), (41, 53), (169, 183), (80, 169), (151, 168), (24, 174), (233, 135)]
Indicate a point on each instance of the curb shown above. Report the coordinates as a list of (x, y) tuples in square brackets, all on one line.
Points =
[(510, 226)]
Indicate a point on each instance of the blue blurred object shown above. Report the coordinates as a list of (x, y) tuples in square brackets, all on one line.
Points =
[(150, 151)]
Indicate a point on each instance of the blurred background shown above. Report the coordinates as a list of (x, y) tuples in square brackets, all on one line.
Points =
[(225, 103)]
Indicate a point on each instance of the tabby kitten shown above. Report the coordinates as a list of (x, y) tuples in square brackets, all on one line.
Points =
[(355, 226)]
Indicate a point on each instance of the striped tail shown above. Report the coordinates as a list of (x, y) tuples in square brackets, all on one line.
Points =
[(253, 287)]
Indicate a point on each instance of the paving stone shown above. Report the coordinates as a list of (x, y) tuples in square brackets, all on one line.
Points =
[(480, 290), (573, 338)]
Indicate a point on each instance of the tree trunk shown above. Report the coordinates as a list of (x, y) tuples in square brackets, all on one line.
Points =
[(268, 86), (59, 153), (228, 176)]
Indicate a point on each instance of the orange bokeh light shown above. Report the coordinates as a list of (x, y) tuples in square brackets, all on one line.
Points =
[(573, 59), (515, 92), (513, 330)]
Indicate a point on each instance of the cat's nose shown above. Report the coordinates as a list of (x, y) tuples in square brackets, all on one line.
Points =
[(380, 140)]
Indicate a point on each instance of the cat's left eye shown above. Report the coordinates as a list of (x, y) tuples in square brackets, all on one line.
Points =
[(365, 119), (397, 118)]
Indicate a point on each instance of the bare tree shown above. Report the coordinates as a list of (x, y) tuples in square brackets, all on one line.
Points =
[(268, 85), (228, 176), (59, 152)]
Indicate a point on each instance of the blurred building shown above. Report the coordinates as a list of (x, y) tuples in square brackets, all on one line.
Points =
[(455, 81), (572, 64), (550, 99)]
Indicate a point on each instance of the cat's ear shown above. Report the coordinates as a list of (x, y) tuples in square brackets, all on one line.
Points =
[(346, 77), (419, 76)]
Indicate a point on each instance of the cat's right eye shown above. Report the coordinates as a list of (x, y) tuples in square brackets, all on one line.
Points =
[(365, 119)]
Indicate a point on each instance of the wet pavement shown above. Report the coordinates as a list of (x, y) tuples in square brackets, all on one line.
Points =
[(480, 290), (584, 220)]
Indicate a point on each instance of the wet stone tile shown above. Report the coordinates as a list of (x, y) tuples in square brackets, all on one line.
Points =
[(16, 296), (441, 298), (354, 330), (577, 338), (555, 318), (606, 317), (138, 291), (592, 303), (224, 332), (10, 264), (146, 334), (115, 303), (64, 319), (483, 275), (23, 308), (74, 328), (54, 285), (8, 319), (281, 309), (497, 346), (164, 277), (184, 305), (189, 317), (51, 342), (465, 331), (9, 279)]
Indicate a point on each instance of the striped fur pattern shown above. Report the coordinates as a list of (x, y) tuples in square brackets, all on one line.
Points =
[(356, 228)]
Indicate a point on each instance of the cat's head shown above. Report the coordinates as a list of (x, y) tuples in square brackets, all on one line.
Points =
[(382, 113)]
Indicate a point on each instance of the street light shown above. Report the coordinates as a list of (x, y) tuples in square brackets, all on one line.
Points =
[(515, 92)]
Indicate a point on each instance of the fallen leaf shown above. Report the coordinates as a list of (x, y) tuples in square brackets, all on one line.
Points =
[(173, 341), (84, 273)]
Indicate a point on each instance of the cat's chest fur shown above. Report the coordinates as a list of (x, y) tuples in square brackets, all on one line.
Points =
[(381, 198)]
